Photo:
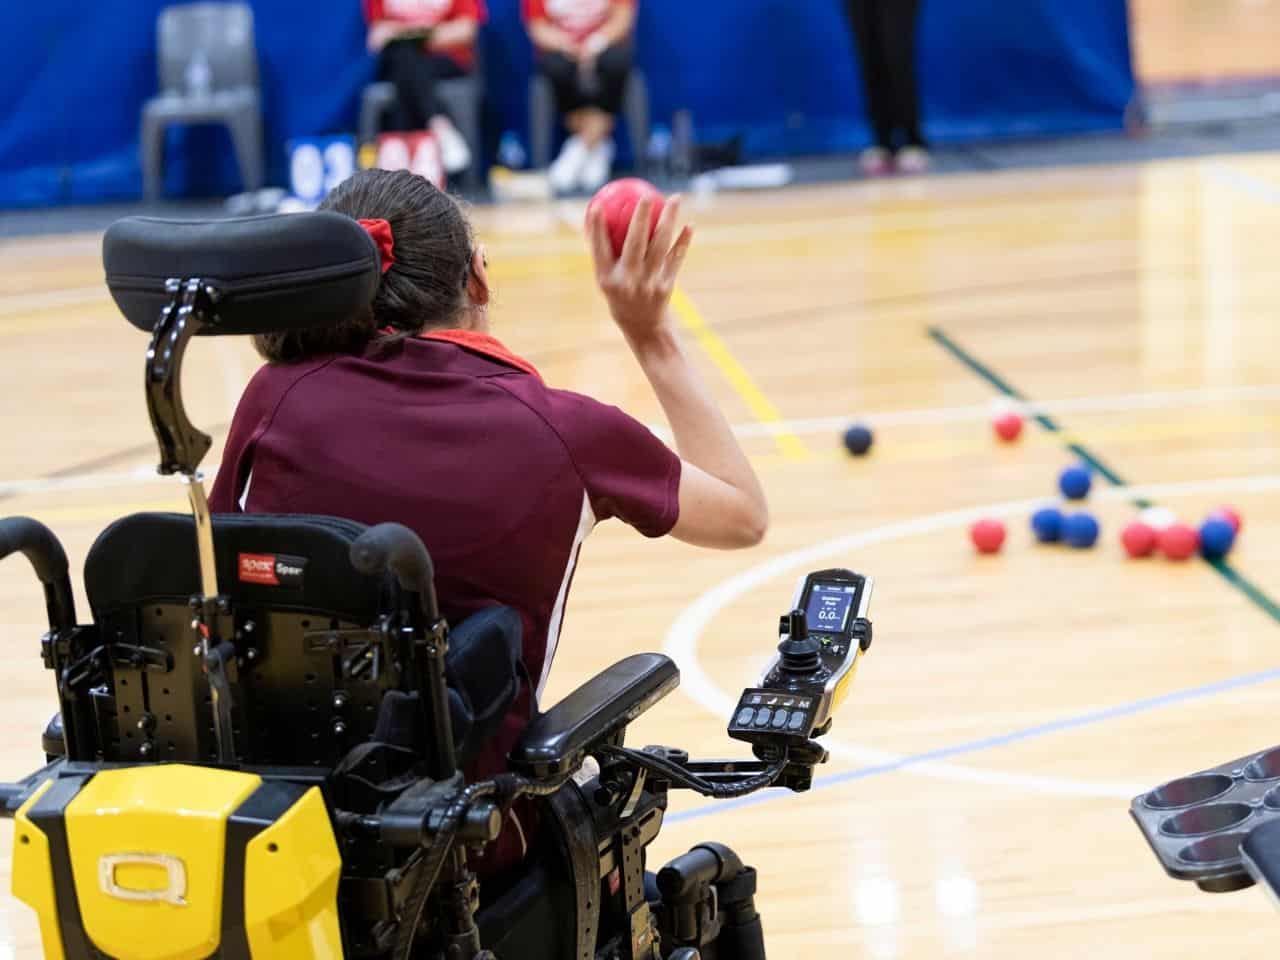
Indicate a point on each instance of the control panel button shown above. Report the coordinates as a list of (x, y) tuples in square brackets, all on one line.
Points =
[(745, 716), (797, 721), (763, 716), (780, 719)]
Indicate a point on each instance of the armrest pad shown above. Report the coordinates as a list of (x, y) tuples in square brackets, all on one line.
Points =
[(1261, 855), (558, 740)]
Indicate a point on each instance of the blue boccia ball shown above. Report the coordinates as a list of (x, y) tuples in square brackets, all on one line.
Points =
[(1074, 482), (1047, 525), (1217, 536), (857, 439), (1080, 530)]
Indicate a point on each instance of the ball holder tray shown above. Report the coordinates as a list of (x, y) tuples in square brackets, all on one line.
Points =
[(1196, 824)]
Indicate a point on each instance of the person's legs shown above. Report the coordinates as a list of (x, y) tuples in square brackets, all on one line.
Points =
[(898, 28), (612, 70), (562, 73), (865, 16), (403, 63), (455, 153)]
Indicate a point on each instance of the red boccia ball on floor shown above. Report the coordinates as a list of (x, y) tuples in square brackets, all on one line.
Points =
[(987, 535), (1139, 540), (1179, 541), (1008, 426), (1229, 514)]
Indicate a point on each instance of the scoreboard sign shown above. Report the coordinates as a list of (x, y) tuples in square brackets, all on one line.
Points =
[(318, 164), (418, 151)]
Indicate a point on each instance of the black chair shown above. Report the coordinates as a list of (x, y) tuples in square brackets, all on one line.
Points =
[(309, 652)]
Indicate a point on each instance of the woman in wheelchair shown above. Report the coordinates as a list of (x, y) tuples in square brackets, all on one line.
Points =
[(413, 412)]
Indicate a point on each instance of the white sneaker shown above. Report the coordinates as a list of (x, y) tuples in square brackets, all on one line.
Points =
[(566, 171), (912, 160), (595, 172), (875, 162), (454, 152)]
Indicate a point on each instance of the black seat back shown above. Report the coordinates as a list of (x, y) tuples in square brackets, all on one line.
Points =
[(313, 661)]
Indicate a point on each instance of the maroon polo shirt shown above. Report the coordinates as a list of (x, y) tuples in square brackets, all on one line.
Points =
[(502, 476)]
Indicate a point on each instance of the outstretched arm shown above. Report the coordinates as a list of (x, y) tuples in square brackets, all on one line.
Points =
[(721, 500)]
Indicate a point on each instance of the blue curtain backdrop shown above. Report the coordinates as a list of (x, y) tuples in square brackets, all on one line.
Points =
[(74, 75)]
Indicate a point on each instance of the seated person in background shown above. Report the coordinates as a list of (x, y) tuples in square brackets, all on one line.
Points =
[(418, 44), (584, 49), (412, 412)]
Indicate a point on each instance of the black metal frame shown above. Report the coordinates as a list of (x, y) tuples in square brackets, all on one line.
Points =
[(425, 833)]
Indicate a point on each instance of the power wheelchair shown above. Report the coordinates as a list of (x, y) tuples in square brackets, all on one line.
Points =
[(263, 728)]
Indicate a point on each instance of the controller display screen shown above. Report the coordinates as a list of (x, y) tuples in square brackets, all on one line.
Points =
[(829, 606)]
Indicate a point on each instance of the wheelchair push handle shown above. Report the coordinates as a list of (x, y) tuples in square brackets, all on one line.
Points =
[(394, 547), (38, 543)]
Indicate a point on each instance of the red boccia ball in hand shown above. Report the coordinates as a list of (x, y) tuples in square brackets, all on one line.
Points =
[(987, 536), (618, 200), (1179, 541)]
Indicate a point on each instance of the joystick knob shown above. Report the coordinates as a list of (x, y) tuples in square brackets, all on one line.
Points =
[(800, 656)]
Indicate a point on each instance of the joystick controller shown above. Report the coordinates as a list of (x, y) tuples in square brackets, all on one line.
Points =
[(821, 640)]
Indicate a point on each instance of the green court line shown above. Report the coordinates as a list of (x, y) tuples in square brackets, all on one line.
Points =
[(1228, 573)]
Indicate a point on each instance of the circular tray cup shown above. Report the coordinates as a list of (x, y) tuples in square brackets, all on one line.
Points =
[(1272, 799), (1214, 851), (1185, 791), (1265, 766), (1209, 818)]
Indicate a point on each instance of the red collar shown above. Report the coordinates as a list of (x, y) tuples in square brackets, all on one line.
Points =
[(484, 345)]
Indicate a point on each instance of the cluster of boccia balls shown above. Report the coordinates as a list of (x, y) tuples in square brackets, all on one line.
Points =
[(1155, 529)]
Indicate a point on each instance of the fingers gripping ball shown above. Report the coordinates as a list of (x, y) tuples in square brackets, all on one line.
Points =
[(1075, 481), (1179, 541), (987, 535), (1080, 530), (617, 202), (1216, 537), (858, 439), (1046, 524), (1139, 539)]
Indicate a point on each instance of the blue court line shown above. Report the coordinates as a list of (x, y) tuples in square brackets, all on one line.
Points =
[(1035, 732)]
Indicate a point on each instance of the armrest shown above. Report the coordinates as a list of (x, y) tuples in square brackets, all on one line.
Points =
[(1260, 852), (559, 740)]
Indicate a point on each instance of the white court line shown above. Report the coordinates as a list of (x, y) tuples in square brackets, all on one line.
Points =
[(682, 639), (1116, 403)]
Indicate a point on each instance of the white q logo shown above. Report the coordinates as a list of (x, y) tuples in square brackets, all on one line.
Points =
[(174, 891)]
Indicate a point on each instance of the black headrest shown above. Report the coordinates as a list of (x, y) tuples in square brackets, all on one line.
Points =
[(284, 563), (280, 272)]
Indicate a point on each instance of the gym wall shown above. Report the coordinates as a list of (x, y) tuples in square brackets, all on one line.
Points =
[(780, 72)]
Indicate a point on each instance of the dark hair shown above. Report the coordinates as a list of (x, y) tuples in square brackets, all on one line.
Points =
[(425, 288)]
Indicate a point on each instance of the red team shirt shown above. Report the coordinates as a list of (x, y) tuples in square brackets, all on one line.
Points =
[(502, 476), (580, 18), (429, 13)]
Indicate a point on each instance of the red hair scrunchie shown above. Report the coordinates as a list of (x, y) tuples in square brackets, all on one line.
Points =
[(380, 230)]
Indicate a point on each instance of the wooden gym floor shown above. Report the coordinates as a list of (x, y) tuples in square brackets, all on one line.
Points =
[(976, 800)]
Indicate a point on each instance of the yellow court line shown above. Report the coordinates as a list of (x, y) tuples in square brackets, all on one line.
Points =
[(761, 407)]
